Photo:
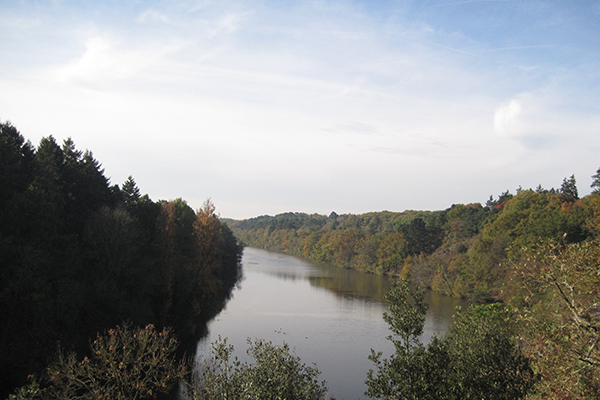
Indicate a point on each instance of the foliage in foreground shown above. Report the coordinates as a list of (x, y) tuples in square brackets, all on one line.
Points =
[(558, 296), (478, 358), (127, 364), (275, 374), (124, 364)]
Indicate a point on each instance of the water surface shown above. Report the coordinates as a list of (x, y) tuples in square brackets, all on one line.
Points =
[(329, 316)]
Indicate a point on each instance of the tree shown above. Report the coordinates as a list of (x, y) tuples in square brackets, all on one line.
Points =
[(16, 159), (131, 193), (198, 262), (478, 357), (75, 259), (401, 376), (420, 238), (505, 196), (558, 294), (275, 374), (596, 182), (48, 183), (569, 188), (123, 364), (483, 356)]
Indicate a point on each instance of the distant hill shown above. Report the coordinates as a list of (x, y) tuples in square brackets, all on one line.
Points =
[(537, 253), (460, 251)]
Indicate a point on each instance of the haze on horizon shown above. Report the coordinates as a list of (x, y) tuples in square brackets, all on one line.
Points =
[(312, 106)]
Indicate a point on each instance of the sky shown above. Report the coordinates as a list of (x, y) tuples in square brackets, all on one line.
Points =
[(314, 106)]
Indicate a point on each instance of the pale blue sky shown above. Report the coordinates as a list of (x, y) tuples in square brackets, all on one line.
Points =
[(312, 106)]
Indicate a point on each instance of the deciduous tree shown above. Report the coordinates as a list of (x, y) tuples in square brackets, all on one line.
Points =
[(558, 294), (477, 359), (123, 364), (275, 374)]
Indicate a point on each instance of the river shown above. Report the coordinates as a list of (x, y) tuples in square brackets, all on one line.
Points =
[(330, 316)]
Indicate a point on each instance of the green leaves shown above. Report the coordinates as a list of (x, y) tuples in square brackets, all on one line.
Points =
[(124, 364), (596, 182), (485, 360), (569, 188), (78, 256), (402, 375), (275, 374), (406, 315), (478, 358), (557, 288)]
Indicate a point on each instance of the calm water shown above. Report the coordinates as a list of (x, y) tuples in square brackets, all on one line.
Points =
[(329, 316)]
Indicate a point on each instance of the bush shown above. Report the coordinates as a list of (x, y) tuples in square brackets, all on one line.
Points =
[(275, 374), (478, 358), (556, 288), (123, 364)]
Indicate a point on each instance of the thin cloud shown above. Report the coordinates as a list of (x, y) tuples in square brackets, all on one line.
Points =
[(456, 3), (286, 99), (103, 62), (533, 69), (152, 15), (529, 47)]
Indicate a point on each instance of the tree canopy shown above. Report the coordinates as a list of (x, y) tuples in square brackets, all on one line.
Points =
[(80, 255), (478, 358)]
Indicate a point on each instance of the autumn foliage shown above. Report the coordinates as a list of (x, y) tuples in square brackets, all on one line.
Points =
[(80, 256)]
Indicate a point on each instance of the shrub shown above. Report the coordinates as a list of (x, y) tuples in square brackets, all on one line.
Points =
[(123, 364), (275, 374)]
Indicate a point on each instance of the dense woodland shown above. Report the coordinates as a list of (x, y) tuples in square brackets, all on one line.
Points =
[(537, 252), (79, 256), (459, 251)]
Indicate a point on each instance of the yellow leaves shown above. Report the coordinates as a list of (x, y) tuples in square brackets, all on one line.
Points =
[(207, 210)]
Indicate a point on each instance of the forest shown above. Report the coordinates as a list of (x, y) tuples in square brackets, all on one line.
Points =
[(535, 252), (80, 255), (83, 258), (458, 251)]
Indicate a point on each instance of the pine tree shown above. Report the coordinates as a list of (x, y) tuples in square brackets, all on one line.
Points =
[(569, 188), (131, 193), (596, 182)]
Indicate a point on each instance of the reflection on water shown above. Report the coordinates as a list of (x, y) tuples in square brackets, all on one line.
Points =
[(352, 284), (329, 316)]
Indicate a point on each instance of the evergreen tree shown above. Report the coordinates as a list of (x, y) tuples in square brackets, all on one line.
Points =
[(131, 193), (596, 182), (16, 159), (569, 188), (75, 259)]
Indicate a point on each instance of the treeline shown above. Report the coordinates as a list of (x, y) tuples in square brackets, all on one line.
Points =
[(535, 253), (376, 242), (460, 251), (79, 255)]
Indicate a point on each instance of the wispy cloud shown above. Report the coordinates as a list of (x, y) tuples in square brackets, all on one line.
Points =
[(476, 54), (458, 3), (291, 97), (152, 15), (529, 47), (104, 62)]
